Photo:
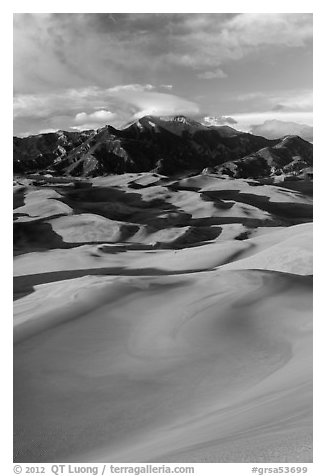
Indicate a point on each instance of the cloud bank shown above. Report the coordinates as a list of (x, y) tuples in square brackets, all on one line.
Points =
[(273, 129), (219, 121), (58, 50), (93, 107)]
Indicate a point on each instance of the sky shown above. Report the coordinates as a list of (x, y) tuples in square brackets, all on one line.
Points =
[(78, 71)]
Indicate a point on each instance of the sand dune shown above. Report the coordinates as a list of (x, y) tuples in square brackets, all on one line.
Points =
[(148, 330), (41, 204)]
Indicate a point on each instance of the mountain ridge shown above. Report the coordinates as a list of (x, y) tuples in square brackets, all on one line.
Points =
[(166, 146)]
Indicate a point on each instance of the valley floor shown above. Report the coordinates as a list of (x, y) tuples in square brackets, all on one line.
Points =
[(162, 320)]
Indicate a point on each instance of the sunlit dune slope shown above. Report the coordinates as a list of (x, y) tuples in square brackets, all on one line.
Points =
[(169, 322)]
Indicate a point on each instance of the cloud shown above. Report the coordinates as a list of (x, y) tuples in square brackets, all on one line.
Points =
[(100, 115), (217, 74), (279, 107), (208, 40), (94, 120), (251, 96), (66, 64), (45, 131), (160, 104), (60, 51), (288, 100), (131, 87), (149, 102), (261, 29), (295, 101), (218, 120), (273, 129), (93, 106), (246, 121)]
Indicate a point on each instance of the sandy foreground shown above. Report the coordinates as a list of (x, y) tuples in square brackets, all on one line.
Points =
[(162, 320)]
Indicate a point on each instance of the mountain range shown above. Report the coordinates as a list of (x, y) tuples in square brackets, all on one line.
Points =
[(166, 145)]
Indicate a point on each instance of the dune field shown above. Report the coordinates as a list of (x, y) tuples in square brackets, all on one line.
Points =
[(162, 319)]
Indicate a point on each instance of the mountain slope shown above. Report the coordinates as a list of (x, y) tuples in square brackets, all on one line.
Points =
[(44, 150), (164, 145), (290, 155)]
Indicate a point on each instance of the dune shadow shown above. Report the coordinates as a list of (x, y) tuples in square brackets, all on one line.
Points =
[(295, 212), (34, 236), (19, 198)]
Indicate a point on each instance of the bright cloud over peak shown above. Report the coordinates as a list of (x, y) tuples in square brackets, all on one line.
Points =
[(91, 108), (100, 115)]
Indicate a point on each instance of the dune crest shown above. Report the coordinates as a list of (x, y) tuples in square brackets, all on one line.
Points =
[(159, 319)]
